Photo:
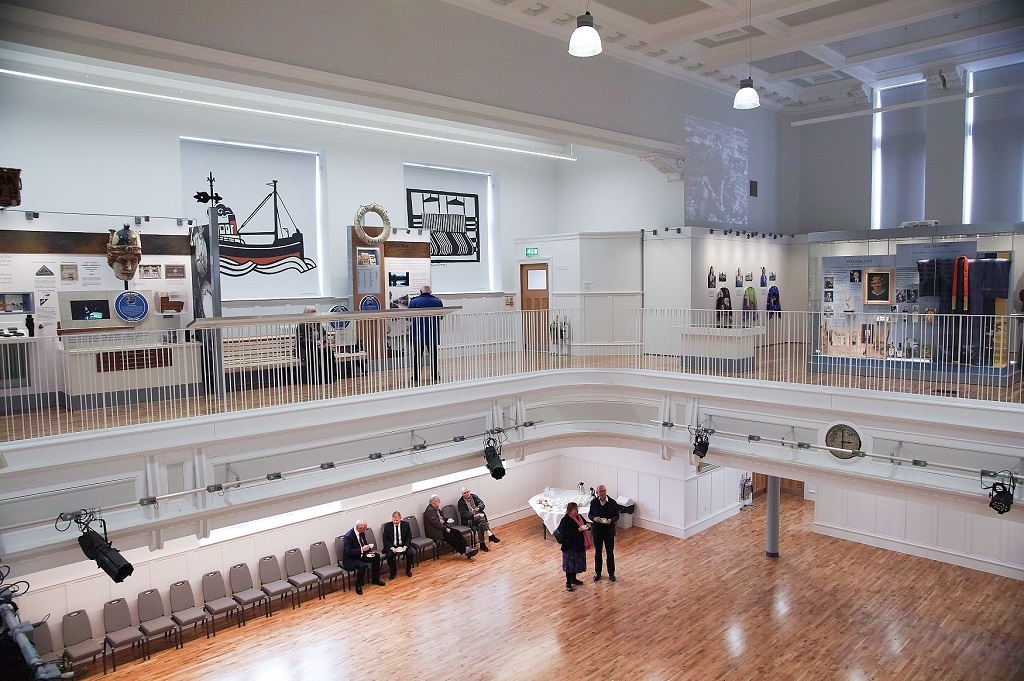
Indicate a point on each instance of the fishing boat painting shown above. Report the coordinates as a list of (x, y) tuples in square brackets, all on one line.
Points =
[(268, 251)]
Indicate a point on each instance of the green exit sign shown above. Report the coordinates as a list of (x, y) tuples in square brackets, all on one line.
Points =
[(532, 252)]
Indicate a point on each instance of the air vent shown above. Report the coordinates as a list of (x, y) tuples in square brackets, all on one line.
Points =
[(562, 20), (638, 45), (535, 9)]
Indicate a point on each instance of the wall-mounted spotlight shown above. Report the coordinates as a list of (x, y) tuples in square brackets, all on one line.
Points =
[(138, 219), (96, 546), (1001, 493), (679, 230), (492, 455), (711, 231), (31, 215), (701, 442)]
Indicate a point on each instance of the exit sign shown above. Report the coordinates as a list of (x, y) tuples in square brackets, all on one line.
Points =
[(532, 252)]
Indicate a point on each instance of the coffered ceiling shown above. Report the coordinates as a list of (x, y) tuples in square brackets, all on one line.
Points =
[(804, 55)]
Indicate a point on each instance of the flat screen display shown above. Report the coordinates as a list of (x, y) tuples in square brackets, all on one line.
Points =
[(90, 310)]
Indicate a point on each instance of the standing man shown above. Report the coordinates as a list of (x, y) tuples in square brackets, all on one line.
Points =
[(438, 530), (471, 510), (358, 556), (398, 542), (425, 331), (604, 513)]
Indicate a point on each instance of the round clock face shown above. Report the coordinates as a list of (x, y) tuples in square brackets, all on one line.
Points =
[(842, 436)]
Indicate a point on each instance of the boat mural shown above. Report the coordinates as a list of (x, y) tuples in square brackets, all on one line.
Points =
[(264, 252)]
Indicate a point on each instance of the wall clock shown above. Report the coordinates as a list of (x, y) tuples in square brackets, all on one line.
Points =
[(842, 436)]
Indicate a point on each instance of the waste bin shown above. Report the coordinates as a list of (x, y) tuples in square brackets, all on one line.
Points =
[(626, 508)]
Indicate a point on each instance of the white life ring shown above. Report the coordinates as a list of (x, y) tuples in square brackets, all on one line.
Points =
[(358, 224)]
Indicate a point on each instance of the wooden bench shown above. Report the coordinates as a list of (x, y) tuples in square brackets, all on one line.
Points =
[(253, 353)]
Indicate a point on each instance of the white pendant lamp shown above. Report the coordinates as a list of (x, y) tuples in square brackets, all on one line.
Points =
[(585, 40), (746, 96)]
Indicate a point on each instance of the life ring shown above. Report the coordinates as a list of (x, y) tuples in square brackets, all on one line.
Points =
[(358, 224)]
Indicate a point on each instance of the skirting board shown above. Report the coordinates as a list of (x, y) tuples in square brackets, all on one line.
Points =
[(691, 529), (994, 567)]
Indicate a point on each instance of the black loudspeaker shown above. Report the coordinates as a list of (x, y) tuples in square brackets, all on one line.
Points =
[(753, 188)]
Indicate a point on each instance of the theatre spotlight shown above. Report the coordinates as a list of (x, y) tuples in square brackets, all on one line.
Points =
[(701, 442), (97, 548), (1000, 493), (492, 455)]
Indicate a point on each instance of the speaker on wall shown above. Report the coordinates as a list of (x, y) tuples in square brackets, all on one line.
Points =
[(753, 188)]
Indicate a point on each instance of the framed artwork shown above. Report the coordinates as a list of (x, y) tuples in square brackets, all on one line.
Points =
[(878, 286), (453, 220), (150, 271), (174, 271)]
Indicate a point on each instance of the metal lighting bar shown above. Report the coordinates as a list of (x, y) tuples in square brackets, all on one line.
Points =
[(919, 463), (274, 476)]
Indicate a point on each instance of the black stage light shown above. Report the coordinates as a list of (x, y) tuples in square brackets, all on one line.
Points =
[(1001, 497), (492, 455), (109, 559), (701, 443)]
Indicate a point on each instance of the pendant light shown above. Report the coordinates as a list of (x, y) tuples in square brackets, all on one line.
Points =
[(585, 40), (746, 96)]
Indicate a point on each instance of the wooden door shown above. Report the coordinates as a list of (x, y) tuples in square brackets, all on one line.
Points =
[(533, 292), (786, 486)]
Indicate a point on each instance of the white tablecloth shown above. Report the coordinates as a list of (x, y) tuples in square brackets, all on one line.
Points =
[(550, 506)]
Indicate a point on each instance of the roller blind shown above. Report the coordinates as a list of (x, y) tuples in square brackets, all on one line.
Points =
[(996, 133), (902, 149)]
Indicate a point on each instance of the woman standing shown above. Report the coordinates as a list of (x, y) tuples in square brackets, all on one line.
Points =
[(575, 537)]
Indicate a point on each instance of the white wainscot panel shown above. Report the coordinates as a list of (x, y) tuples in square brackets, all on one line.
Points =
[(326, 529), (628, 485), (201, 561), (672, 502), (703, 496), (38, 603), (300, 536), (922, 523), (986, 534), (952, 533), (129, 589), (241, 550), (891, 517), (830, 505), (648, 500), (90, 594), (266, 544), (570, 472), (588, 475), (718, 482), (860, 511), (1013, 533), (690, 500)]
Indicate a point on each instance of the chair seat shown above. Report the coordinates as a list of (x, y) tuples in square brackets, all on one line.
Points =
[(249, 596), (303, 580), (277, 588), (329, 572), (222, 605), (84, 650), (183, 618), (157, 626), (421, 543), (123, 637)]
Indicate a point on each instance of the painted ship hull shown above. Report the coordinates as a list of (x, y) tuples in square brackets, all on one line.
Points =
[(263, 254)]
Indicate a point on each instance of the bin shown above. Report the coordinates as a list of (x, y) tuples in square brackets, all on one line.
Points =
[(626, 509)]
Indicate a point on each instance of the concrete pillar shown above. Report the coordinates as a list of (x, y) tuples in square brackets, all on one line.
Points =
[(771, 544)]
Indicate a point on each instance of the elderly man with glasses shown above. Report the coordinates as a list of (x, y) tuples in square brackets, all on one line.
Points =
[(471, 510), (439, 530)]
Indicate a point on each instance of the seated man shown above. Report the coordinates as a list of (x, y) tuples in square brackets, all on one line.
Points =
[(438, 530), (358, 555), (397, 543), (471, 509)]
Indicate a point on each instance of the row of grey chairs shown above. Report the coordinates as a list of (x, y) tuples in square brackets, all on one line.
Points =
[(81, 646)]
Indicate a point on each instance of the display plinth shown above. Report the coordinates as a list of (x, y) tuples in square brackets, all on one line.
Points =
[(720, 348)]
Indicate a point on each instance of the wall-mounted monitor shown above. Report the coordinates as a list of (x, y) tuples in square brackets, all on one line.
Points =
[(89, 310)]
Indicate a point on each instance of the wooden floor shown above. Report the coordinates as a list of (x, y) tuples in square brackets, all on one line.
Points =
[(786, 364), (710, 607)]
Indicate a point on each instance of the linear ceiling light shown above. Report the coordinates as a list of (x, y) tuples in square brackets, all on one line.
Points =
[(281, 115), (746, 96), (585, 40)]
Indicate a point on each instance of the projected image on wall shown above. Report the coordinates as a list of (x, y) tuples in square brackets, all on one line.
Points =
[(716, 178)]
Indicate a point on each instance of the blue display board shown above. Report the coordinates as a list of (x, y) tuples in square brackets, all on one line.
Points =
[(339, 323), (131, 306)]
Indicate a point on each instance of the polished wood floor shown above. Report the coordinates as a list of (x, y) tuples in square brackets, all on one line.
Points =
[(786, 363), (710, 607)]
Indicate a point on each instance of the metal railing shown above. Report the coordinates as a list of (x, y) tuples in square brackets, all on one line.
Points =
[(90, 381)]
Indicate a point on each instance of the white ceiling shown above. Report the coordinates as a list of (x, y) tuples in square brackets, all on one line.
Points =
[(804, 54)]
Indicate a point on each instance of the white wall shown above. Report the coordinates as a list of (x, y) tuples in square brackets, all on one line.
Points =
[(971, 535)]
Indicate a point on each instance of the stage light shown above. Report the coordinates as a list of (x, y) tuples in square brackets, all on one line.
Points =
[(97, 548), (492, 455), (1001, 497), (701, 442)]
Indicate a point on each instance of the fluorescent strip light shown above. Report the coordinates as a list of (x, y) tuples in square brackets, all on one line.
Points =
[(246, 145), (281, 115), (447, 169), (876, 165), (969, 153)]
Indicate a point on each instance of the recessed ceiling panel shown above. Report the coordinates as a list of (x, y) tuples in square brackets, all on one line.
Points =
[(829, 10), (653, 11), (794, 62)]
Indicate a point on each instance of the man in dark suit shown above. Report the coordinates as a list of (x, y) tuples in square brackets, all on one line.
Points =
[(397, 543), (358, 555), (425, 332), (604, 513), (471, 510), (438, 530)]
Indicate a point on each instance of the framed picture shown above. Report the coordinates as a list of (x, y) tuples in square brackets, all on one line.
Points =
[(878, 286), (174, 271), (149, 272)]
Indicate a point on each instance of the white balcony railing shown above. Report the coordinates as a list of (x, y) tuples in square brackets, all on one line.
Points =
[(90, 381)]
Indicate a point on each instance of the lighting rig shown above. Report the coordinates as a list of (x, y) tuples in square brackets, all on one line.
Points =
[(95, 546)]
